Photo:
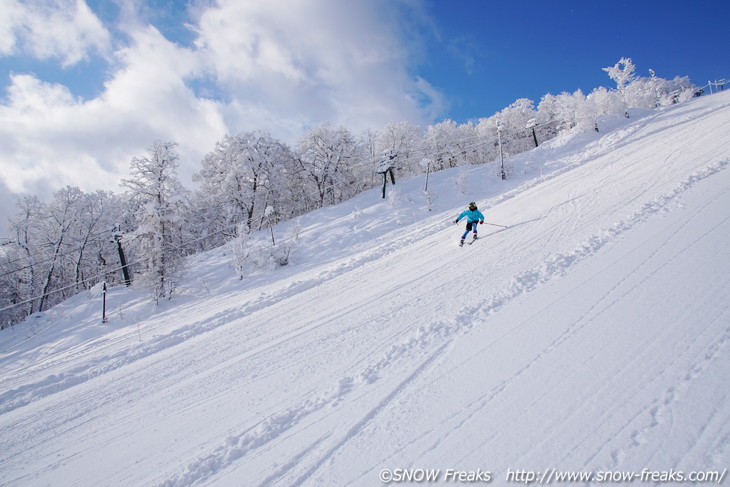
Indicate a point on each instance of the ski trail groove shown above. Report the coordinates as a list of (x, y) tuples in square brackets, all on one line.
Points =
[(238, 446), (54, 383), (559, 265), (661, 409), (363, 423)]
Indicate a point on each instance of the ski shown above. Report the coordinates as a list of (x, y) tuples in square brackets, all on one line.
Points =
[(461, 242)]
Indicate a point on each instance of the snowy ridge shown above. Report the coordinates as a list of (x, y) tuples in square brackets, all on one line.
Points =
[(583, 337)]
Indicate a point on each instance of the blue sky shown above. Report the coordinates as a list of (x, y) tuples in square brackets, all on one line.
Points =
[(87, 85), (530, 48)]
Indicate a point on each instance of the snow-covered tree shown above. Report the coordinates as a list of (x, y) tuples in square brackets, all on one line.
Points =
[(246, 172), (13, 291), (653, 92), (623, 73), (486, 131), (210, 221), (59, 249), (26, 226), (550, 117), (446, 144), (63, 215), (91, 253), (467, 145), (159, 203), (514, 118), (565, 111), (403, 139), (332, 163), (606, 102), (677, 90)]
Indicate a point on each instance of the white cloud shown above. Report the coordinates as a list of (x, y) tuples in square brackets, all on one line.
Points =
[(12, 14), (282, 67), (54, 139), (345, 62), (61, 29)]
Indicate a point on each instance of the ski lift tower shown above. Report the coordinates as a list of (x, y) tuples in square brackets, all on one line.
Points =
[(387, 163), (117, 237), (530, 125)]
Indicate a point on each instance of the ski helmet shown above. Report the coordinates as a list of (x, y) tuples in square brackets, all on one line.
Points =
[(472, 204)]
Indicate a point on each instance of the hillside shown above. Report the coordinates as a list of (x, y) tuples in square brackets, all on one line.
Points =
[(589, 336)]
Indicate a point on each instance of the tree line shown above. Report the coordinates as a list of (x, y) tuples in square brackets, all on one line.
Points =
[(251, 181)]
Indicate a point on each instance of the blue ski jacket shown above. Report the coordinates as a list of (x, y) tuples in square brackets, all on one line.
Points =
[(471, 215)]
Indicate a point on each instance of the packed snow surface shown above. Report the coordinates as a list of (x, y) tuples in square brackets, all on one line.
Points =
[(589, 336)]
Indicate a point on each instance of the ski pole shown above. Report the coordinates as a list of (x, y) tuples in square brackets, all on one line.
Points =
[(495, 225)]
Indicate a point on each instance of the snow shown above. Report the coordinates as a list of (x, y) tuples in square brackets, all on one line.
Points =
[(591, 335)]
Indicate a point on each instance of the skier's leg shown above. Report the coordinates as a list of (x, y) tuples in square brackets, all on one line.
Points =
[(468, 229)]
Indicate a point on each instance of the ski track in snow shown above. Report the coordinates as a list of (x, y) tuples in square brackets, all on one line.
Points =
[(54, 383), (360, 425), (530, 281), (437, 334), (660, 410), (377, 379)]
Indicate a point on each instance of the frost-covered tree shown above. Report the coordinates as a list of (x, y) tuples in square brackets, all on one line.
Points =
[(332, 163), (91, 254), (467, 145), (605, 102), (443, 145), (623, 73), (486, 131), (63, 215), (159, 204), (246, 172), (584, 113), (403, 139), (565, 111), (59, 249), (13, 292), (653, 92), (514, 118), (210, 218), (44, 241), (26, 226), (548, 121), (677, 90)]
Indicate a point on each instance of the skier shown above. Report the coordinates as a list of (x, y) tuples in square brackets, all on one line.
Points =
[(473, 217)]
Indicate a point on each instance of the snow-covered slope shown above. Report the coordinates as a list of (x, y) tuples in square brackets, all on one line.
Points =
[(590, 336)]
